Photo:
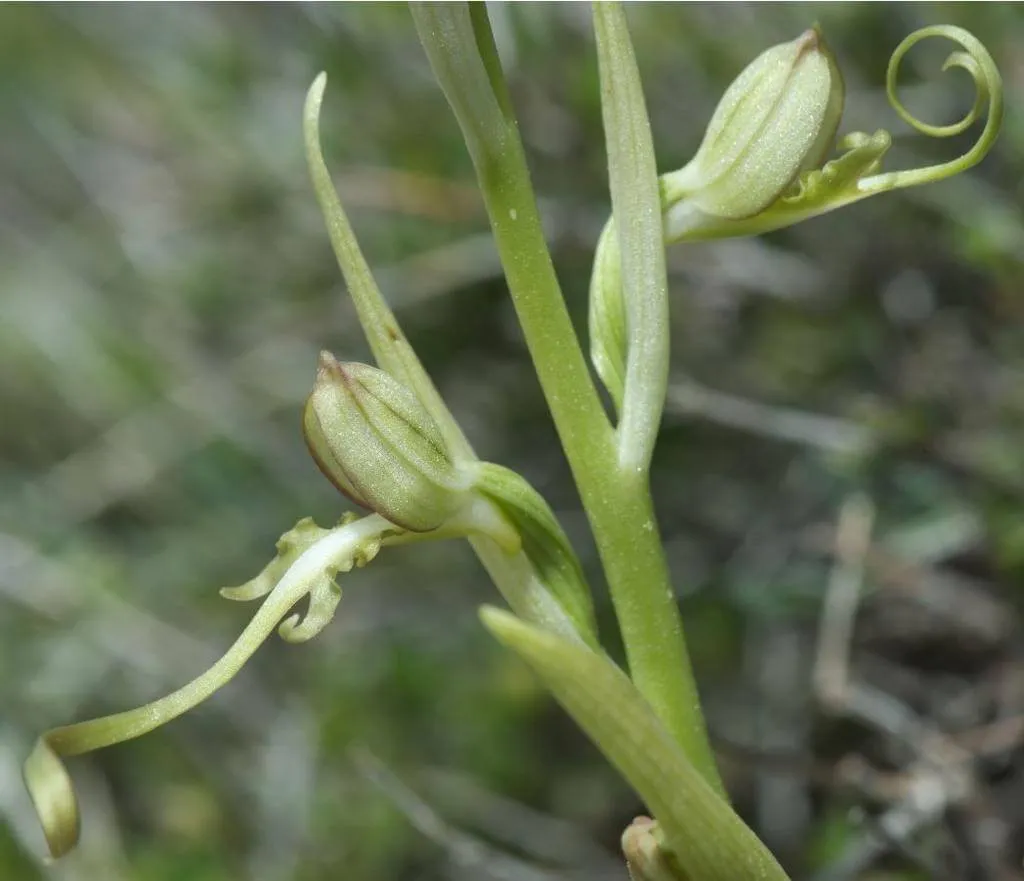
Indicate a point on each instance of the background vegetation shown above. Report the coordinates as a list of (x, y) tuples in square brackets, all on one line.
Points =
[(165, 285)]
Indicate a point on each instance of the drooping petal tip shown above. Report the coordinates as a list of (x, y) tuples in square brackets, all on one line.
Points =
[(53, 796)]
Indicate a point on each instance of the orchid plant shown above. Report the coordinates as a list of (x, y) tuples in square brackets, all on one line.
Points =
[(384, 437)]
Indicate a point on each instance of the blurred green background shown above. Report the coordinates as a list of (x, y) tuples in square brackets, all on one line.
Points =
[(165, 286)]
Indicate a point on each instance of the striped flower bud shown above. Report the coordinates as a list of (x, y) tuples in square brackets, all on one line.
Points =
[(379, 446), (777, 119)]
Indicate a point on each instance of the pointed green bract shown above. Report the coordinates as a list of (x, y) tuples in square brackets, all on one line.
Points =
[(640, 257), (707, 838), (388, 343), (544, 543)]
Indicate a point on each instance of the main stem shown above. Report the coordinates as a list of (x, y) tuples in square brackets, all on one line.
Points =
[(618, 504)]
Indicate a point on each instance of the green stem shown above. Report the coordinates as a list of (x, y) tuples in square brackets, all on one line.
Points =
[(617, 504), (583, 426), (633, 557)]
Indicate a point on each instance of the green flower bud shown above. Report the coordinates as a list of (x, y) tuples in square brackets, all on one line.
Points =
[(379, 446), (777, 119)]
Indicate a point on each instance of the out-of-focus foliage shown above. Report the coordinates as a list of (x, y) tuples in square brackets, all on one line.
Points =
[(166, 284)]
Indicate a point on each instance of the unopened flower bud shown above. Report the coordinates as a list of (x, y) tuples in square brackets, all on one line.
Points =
[(378, 445), (777, 119)]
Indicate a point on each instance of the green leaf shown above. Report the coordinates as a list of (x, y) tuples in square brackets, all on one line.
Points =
[(703, 833)]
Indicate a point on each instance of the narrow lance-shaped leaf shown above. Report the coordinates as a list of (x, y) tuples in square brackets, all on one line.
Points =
[(388, 343), (704, 835)]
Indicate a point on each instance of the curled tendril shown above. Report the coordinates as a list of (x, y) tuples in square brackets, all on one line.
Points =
[(311, 558), (988, 100)]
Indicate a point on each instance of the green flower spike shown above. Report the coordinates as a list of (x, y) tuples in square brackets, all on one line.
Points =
[(309, 559)]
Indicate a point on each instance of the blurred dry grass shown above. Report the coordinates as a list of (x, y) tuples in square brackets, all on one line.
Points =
[(165, 285)]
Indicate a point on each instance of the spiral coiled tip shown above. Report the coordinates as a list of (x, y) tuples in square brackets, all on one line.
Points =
[(977, 62)]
